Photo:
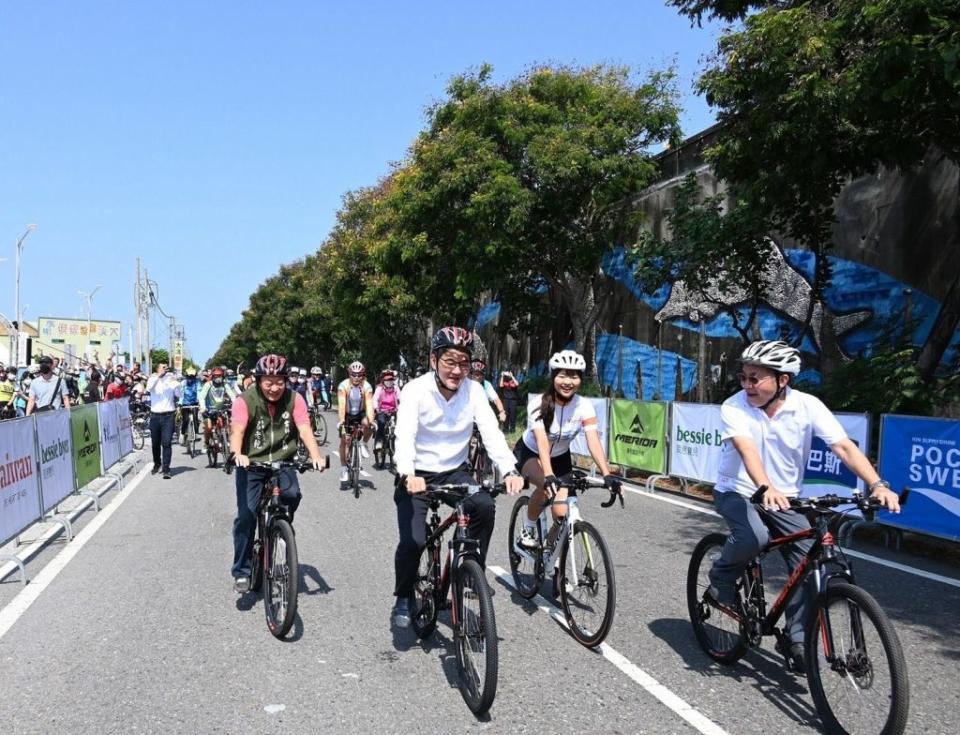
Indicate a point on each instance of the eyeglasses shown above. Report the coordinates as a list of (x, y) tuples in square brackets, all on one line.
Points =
[(461, 365), (752, 379)]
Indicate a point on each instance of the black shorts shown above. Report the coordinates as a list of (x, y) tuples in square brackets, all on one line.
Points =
[(353, 419), (562, 464)]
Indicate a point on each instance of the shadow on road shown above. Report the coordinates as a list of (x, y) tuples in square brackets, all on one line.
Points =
[(308, 572), (759, 669)]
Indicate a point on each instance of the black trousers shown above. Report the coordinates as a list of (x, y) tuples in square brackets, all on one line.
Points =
[(412, 524), (510, 408), (161, 436)]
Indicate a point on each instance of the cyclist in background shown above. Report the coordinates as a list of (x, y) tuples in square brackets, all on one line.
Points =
[(316, 387), (767, 430), (217, 395), (478, 372), (434, 425), (266, 422), (354, 406), (543, 454), (8, 390), (386, 398), (189, 398)]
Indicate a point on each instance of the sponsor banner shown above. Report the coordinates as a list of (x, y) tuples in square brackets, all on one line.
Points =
[(825, 473), (19, 488), (695, 443), (85, 443), (109, 433), (178, 355), (579, 444), (638, 435), (126, 427), (924, 455), (56, 459)]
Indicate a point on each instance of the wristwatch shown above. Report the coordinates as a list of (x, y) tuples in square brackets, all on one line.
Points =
[(878, 483)]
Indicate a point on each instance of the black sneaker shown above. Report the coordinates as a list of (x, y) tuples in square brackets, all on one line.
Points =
[(155, 470), (797, 660), (166, 474)]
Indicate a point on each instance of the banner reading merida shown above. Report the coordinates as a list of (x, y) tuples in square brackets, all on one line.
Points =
[(85, 432), (924, 455), (638, 432)]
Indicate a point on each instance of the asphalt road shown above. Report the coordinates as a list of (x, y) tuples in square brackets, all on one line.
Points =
[(142, 633)]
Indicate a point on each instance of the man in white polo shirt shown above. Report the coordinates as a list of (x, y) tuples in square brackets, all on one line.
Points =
[(434, 424), (767, 431), (164, 390)]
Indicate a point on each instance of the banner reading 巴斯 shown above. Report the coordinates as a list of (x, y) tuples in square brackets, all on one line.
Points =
[(56, 459), (695, 444), (85, 436), (924, 455), (638, 432), (109, 433), (19, 489), (825, 473)]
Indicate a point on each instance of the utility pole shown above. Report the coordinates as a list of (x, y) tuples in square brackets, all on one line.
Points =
[(146, 281), (138, 303)]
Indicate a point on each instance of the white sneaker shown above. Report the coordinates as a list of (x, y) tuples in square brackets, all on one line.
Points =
[(528, 538), (364, 452), (344, 474)]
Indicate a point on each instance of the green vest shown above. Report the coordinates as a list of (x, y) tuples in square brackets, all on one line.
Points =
[(269, 439)]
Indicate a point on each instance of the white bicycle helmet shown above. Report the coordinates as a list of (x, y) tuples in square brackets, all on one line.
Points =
[(773, 354), (356, 370), (568, 360), (315, 370)]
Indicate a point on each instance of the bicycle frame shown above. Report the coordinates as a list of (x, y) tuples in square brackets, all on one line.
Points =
[(545, 520), (459, 547)]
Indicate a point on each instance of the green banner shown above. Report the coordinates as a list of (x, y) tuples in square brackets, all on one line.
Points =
[(85, 430), (638, 432)]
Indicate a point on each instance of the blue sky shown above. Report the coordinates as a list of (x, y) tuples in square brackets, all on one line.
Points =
[(214, 140)]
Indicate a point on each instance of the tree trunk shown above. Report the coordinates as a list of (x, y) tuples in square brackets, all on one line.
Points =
[(578, 296), (941, 334)]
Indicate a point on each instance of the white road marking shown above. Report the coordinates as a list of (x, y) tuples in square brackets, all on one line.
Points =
[(673, 702), (849, 552), (26, 597)]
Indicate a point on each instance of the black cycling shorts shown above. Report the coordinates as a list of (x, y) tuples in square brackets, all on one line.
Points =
[(562, 464)]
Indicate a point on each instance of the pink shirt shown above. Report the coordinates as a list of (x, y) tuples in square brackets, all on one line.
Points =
[(386, 400), (240, 414)]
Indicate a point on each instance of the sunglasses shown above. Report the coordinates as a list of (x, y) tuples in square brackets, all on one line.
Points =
[(751, 379)]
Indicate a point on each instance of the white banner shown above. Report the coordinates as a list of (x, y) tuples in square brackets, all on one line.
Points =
[(56, 460), (695, 441), (579, 444), (19, 489), (825, 473), (109, 433), (126, 427)]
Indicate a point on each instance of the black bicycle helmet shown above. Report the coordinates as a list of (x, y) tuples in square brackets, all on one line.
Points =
[(452, 337)]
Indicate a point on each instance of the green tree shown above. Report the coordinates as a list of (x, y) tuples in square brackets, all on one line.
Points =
[(517, 186), (813, 92)]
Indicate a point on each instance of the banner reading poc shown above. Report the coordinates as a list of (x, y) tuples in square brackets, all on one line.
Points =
[(85, 432), (638, 431), (924, 455)]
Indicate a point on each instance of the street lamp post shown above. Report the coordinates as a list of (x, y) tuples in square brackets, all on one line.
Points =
[(16, 331), (89, 298)]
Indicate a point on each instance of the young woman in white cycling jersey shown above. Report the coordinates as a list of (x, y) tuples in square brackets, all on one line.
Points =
[(543, 454)]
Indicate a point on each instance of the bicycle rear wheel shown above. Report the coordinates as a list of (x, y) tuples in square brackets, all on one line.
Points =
[(213, 451), (855, 665), (256, 565), (282, 579), (426, 602), (225, 443), (355, 467), (475, 636), (588, 588), (720, 635), (191, 438), (526, 565)]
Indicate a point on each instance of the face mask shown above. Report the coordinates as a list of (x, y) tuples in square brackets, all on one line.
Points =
[(218, 381), (387, 383), (191, 378), (46, 369), (302, 381)]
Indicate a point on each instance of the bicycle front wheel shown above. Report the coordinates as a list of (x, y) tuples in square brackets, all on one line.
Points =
[(475, 635), (855, 665), (283, 579), (137, 434), (588, 588), (191, 438), (526, 565), (720, 635), (320, 427), (355, 467)]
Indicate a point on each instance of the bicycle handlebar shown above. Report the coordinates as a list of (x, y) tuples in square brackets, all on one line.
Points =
[(579, 481), (866, 504), (301, 467)]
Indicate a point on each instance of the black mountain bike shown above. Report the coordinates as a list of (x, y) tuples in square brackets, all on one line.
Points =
[(471, 607), (274, 563), (389, 444), (855, 666)]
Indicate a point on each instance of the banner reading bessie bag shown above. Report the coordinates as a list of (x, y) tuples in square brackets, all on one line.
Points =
[(56, 460), (695, 444), (19, 489)]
